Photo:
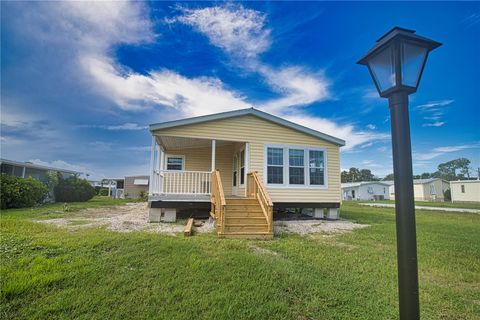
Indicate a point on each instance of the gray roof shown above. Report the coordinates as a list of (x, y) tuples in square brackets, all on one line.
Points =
[(243, 112), (362, 183), (37, 166)]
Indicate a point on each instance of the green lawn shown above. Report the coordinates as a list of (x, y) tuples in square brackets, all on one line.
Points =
[(91, 273), (465, 205)]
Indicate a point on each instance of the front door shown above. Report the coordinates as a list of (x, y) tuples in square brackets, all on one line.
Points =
[(235, 175)]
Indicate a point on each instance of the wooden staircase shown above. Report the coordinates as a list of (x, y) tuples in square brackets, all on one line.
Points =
[(243, 217)]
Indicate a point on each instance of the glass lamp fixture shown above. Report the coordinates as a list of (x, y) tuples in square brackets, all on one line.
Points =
[(397, 60)]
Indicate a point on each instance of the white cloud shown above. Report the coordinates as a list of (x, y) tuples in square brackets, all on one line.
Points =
[(298, 87), (434, 124), (190, 97), (128, 126), (242, 33), (234, 29), (435, 104), (435, 111), (346, 131), (436, 152), (371, 126)]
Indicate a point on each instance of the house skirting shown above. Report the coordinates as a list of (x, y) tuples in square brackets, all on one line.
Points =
[(201, 209)]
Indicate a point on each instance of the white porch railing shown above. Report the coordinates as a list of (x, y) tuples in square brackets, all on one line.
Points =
[(181, 182)]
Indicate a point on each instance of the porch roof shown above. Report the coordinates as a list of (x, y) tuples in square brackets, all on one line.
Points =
[(243, 112), (174, 142)]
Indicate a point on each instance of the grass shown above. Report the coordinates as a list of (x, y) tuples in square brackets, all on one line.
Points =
[(92, 273), (465, 205)]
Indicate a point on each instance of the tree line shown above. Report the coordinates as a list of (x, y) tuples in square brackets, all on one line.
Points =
[(458, 169)]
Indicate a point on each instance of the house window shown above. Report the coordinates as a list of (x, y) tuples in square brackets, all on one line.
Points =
[(242, 167), (317, 167), (370, 190), (305, 167), (274, 165), (175, 163), (463, 188), (296, 168)]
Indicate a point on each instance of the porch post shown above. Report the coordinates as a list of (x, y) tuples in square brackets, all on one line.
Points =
[(152, 158), (161, 165), (23, 171), (214, 142)]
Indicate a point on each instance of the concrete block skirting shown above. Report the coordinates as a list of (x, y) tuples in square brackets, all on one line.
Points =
[(333, 214), (170, 215), (154, 214), (318, 213), (162, 215)]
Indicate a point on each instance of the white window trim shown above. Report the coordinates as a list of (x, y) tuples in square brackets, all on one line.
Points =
[(174, 156), (286, 164)]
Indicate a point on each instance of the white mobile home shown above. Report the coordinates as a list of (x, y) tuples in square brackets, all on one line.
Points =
[(242, 165), (425, 189), (465, 190), (366, 190)]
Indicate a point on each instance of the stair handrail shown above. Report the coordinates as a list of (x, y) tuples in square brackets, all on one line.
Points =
[(256, 188), (217, 199)]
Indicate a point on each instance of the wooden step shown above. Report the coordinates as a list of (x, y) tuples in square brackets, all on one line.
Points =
[(245, 220), (232, 228), (241, 201), (247, 235), (244, 214), (243, 207)]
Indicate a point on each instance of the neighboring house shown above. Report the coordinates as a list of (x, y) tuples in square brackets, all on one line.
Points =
[(425, 189), (115, 187), (134, 186), (465, 190), (29, 169), (241, 165), (366, 190)]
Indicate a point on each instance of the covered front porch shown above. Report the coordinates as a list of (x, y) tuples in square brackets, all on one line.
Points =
[(181, 168)]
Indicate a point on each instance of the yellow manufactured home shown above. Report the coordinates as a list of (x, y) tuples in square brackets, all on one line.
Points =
[(242, 166)]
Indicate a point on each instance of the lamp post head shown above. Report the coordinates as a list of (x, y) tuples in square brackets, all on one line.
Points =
[(397, 60)]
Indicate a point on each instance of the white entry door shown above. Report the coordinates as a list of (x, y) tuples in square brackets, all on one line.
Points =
[(235, 174)]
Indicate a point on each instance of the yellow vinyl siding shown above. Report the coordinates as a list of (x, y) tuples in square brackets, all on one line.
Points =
[(258, 133)]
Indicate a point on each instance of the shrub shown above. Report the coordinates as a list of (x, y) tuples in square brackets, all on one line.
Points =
[(143, 195), (103, 192), (18, 192), (73, 189)]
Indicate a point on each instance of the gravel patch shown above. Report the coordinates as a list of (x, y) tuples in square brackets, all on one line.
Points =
[(134, 217), (304, 227), (126, 218)]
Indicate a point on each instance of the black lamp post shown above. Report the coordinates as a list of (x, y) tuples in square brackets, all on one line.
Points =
[(396, 64)]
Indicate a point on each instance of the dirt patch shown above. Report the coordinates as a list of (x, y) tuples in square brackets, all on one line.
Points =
[(125, 218), (262, 251), (304, 227)]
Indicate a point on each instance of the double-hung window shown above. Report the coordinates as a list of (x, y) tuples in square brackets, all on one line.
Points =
[(175, 163), (275, 165), (295, 166), (317, 167)]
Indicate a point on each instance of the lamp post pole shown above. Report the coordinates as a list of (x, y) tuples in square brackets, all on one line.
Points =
[(396, 64), (404, 207)]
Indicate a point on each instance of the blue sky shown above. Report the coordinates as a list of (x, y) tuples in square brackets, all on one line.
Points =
[(82, 81)]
